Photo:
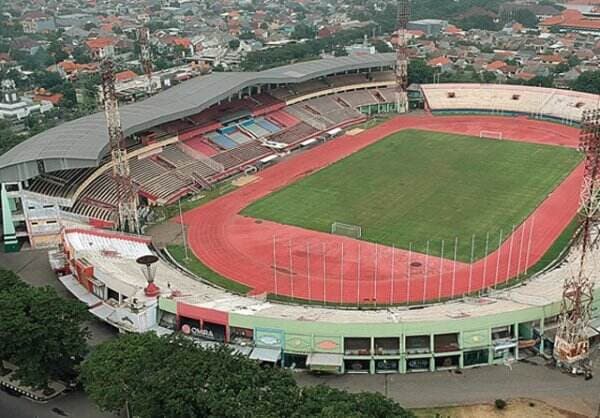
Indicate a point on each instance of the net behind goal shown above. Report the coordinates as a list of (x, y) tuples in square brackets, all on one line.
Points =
[(490, 134), (348, 230)]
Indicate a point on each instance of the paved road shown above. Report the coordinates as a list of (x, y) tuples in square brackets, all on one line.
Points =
[(33, 267), (75, 405), (485, 384)]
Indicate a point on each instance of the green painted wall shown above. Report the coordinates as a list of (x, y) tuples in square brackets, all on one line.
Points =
[(390, 329), (168, 305)]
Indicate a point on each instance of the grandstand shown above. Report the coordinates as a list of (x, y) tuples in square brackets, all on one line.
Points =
[(188, 137), (295, 134), (555, 104)]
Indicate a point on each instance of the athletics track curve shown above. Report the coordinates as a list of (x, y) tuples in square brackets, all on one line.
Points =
[(328, 268)]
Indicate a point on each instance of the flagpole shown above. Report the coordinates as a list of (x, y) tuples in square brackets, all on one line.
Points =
[(426, 272), (291, 270), (393, 266), (471, 264), (183, 234), (358, 279), (498, 259), (441, 272), (512, 238), (409, 271), (324, 275), (342, 276), (454, 266), (274, 266), (485, 258), (308, 270), (523, 227), (376, 273), (529, 244)]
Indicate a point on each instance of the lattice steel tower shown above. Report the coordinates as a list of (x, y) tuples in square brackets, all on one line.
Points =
[(571, 346), (145, 56), (127, 219), (402, 56)]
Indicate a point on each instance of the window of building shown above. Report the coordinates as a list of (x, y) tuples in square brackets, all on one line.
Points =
[(418, 344), (386, 366), (357, 366), (357, 346), (241, 335), (214, 331), (387, 346), (445, 342), (168, 320), (294, 361), (417, 364), (476, 357), (446, 362)]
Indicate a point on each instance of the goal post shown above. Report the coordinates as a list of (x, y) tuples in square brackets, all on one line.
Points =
[(490, 134), (348, 230)]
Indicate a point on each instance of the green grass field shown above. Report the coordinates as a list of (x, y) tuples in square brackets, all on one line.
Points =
[(417, 186)]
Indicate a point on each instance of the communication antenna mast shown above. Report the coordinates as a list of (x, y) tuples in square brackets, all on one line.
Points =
[(402, 57), (126, 196), (145, 56), (572, 346)]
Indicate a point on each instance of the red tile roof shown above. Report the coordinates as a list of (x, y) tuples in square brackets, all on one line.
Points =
[(98, 43), (573, 19), (434, 62), (125, 75), (496, 65)]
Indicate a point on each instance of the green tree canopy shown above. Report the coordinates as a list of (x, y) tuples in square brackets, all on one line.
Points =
[(419, 72), (588, 81), (303, 31), (42, 333), (170, 377)]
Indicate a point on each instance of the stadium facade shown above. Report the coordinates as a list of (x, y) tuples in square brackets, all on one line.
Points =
[(56, 190)]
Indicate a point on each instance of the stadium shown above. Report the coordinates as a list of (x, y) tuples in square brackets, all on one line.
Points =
[(355, 240)]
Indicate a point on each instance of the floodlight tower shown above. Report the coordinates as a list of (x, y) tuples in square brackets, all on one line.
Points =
[(571, 346), (127, 219), (402, 56), (145, 56)]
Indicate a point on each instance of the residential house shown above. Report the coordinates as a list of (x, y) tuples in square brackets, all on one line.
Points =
[(101, 48)]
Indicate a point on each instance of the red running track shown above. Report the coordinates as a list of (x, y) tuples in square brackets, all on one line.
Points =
[(323, 267)]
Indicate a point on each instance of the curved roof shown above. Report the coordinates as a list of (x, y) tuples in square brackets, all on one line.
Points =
[(83, 142)]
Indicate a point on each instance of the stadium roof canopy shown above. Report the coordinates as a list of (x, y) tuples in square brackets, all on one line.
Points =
[(84, 142)]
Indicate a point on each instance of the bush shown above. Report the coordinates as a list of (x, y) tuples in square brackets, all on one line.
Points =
[(500, 403)]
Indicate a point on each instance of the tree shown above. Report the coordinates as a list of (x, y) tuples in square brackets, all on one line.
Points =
[(381, 46), (234, 44), (419, 72), (171, 377), (303, 31), (329, 402), (478, 22), (42, 333), (527, 18), (588, 81), (56, 50)]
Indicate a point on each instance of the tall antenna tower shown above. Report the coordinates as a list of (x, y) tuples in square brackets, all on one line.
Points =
[(126, 196), (145, 56), (571, 346), (402, 57)]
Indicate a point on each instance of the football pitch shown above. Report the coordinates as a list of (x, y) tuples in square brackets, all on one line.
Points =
[(416, 188)]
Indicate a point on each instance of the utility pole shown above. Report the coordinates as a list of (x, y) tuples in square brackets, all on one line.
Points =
[(127, 200), (572, 346), (402, 57)]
